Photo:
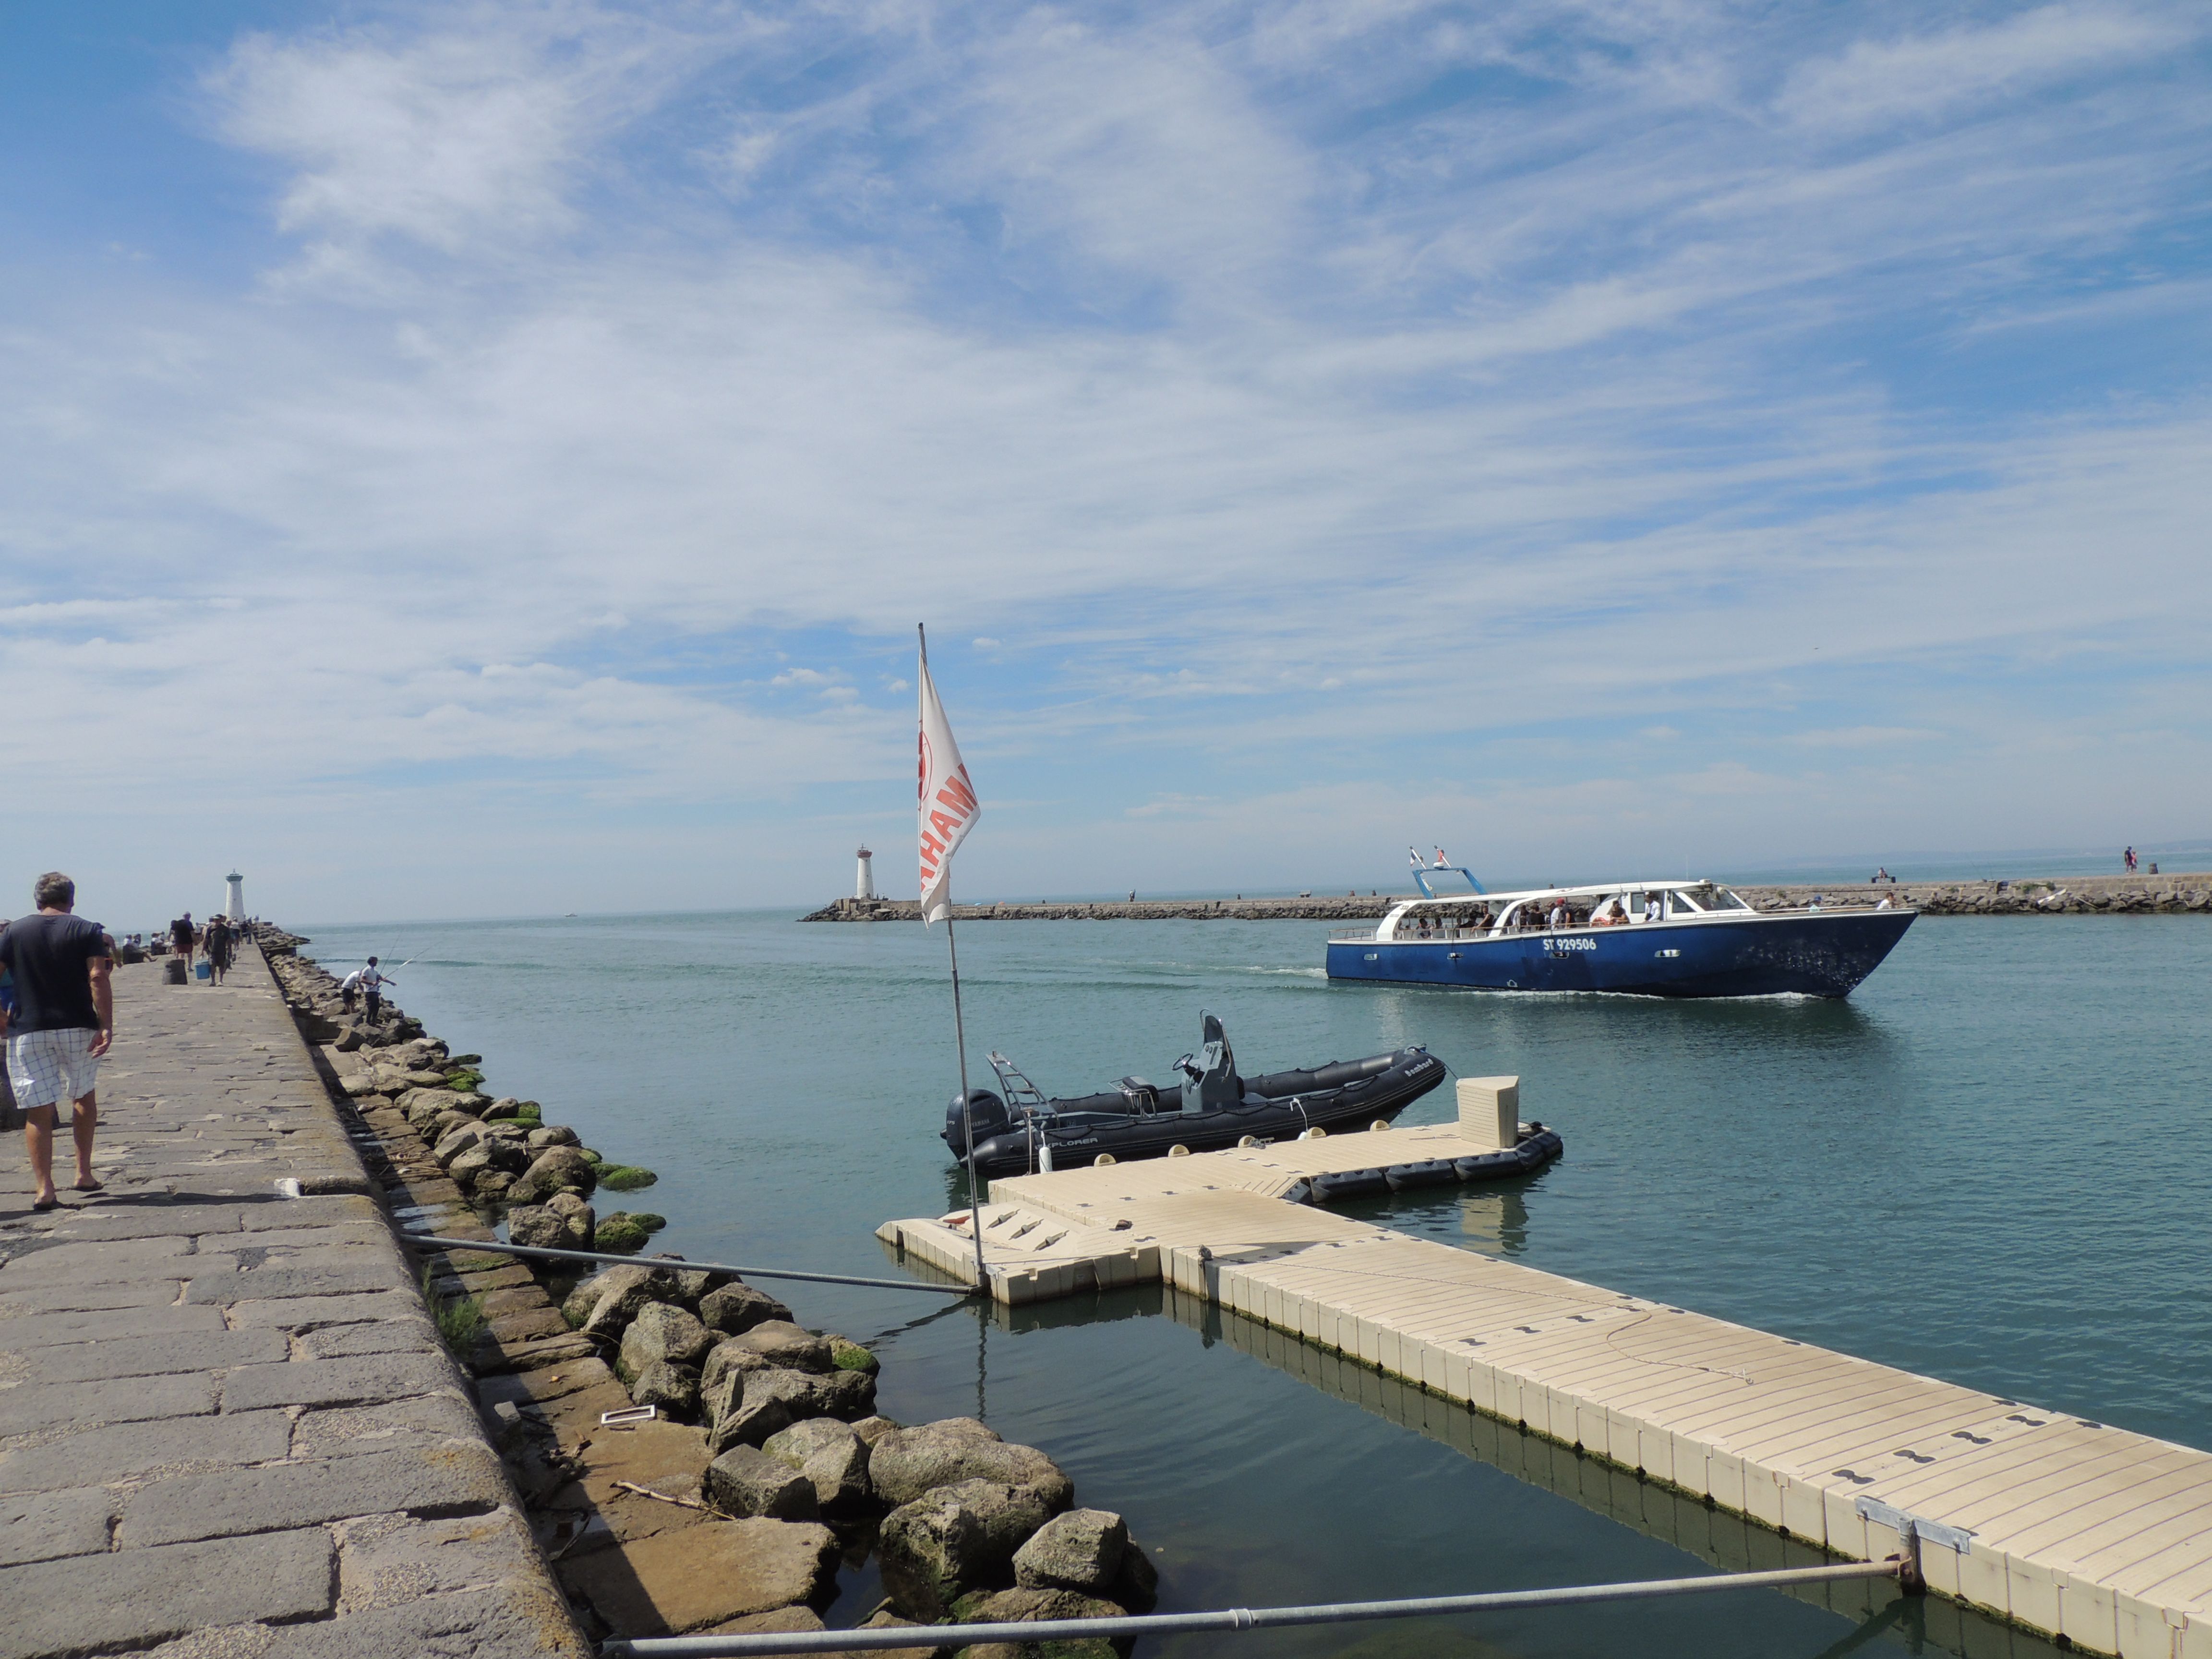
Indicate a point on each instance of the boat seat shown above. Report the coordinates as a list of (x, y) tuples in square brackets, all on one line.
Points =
[(1210, 1082)]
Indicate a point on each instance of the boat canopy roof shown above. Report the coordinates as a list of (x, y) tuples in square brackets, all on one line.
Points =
[(1598, 889)]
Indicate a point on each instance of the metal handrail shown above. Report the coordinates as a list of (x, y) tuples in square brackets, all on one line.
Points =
[(1164, 1624), (538, 1252)]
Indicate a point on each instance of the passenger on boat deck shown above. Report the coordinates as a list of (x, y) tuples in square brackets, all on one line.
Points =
[(1558, 917), (1651, 907), (1608, 914)]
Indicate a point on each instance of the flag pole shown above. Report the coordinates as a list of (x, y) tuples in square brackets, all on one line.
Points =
[(960, 1044)]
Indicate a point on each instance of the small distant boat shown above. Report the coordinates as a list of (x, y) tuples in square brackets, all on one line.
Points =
[(1017, 1130), (1661, 938)]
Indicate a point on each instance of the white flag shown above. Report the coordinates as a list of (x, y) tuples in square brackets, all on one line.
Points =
[(946, 808)]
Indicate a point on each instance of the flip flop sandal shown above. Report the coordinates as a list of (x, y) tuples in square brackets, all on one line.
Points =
[(88, 1186), (45, 1203)]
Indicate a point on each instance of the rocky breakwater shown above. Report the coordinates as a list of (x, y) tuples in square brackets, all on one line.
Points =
[(499, 1151), (2185, 893), (768, 1435), (764, 1470), (1352, 907)]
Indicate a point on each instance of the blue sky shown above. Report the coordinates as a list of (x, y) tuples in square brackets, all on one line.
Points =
[(490, 459)]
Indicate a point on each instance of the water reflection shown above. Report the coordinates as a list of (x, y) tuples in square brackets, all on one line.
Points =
[(1494, 1220)]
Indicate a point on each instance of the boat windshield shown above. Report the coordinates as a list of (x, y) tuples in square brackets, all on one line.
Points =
[(1702, 901)]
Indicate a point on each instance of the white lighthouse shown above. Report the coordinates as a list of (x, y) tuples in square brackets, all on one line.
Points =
[(234, 897), (864, 885)]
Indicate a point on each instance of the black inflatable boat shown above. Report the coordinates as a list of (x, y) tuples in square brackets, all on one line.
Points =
[(1534, 1147), (1019, 1130)]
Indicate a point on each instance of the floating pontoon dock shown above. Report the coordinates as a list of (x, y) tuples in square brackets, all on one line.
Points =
[(2061, 1523)]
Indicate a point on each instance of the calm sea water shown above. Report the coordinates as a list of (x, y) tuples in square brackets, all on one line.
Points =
[(1989, 1165)]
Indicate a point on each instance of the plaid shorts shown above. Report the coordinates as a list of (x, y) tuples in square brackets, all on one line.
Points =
[(47, 1067)]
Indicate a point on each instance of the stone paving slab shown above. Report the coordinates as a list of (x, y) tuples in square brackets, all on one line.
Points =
[(129, 1450), (228, 1425), (96, 1602)]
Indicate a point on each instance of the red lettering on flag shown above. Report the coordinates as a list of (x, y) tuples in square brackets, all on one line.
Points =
[(957, 795)]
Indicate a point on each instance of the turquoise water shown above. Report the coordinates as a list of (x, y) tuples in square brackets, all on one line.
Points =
[(1988, 1165)]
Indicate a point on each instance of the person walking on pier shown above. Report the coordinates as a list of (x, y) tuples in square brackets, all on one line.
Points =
[(180, 939), (219, 944), (64, 1021)]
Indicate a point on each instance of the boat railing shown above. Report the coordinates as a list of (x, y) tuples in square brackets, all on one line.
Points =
[(1351, 935)]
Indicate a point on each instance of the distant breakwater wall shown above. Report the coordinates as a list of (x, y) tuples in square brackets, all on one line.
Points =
[(2189, 893)]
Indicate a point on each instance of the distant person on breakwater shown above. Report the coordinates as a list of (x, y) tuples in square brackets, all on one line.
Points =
[(2127, 859), (180, 938), (64, 1021)]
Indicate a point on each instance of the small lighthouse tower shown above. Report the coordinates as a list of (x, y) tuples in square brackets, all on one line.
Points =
[(864, 885), (234, 898)]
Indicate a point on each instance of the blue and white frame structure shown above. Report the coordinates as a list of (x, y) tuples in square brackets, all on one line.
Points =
[(1661, 939)]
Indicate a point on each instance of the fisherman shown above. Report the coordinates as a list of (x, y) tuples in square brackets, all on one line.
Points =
[(350, 990), (372, 991)]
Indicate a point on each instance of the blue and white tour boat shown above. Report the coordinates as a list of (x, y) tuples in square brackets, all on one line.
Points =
[(1659, 938)]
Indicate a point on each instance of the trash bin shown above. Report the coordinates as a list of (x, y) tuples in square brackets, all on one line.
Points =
[(173, 970)]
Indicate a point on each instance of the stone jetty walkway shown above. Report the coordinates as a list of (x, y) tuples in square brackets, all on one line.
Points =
[(226, 1415)]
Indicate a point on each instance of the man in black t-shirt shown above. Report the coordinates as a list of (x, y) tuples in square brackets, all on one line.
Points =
[(64, 1021)]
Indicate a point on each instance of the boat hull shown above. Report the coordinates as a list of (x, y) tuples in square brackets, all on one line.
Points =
[(1806, 953), (1376, 1098)]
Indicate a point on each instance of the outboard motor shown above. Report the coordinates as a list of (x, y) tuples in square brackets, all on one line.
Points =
[(1210, 1082), (991, 1118)]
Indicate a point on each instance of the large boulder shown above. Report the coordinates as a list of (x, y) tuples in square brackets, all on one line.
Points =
[(552, 1134), (749, 1405), (695, 1285), (673, 1389), (1010, 1517), (846, 1355), (929, 1551), (558, 1169), (662, 1331), (831, 1456), (907, 1462), (779, 1342), (746, 1481), (610, 1300), (554, 1227), (456, 1141), (737, 1308), (487, 1155), (1020, 1606), (851, 1394), (1081, 1550)]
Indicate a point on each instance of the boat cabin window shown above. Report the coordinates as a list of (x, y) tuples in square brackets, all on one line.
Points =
[(1719, 898), (1680, 903)]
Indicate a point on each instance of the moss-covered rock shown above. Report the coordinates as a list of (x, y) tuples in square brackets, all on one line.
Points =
[(619, 1234), (625, 1177), (847, 1355), (650, 1221), (464, 1077)]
